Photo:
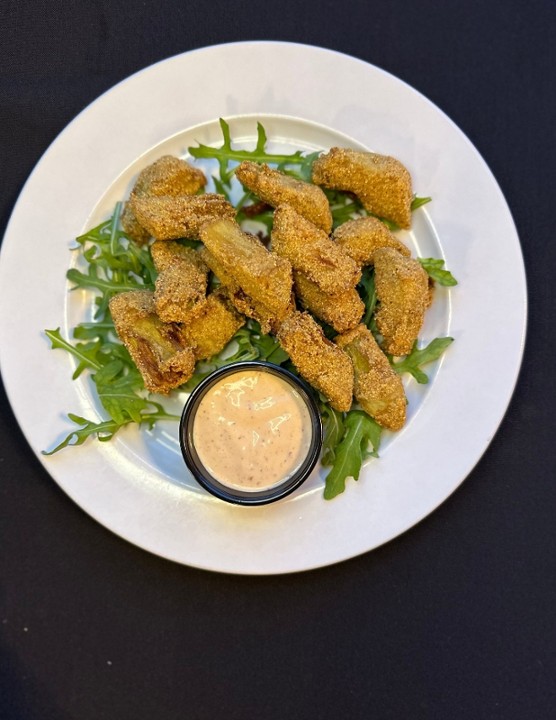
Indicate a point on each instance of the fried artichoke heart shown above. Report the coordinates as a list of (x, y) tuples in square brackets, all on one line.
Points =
[(341, 311), (323, 364), (157, 348), (312, 252), (377, 387), (242, 262), (275, 188), (382, 183), (402, 288), (166, 176)]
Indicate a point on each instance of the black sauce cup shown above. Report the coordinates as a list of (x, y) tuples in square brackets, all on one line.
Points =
[(237, 495)]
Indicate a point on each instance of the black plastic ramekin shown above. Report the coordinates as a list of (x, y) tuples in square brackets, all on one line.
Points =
[(246, 496)]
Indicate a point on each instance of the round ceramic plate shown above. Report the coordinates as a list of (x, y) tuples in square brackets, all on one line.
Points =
[(137, 484)]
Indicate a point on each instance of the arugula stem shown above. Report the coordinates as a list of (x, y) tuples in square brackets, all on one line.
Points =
[(114, 249), (241, 155)]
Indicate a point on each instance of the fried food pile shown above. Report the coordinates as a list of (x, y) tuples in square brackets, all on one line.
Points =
[(306, 276)]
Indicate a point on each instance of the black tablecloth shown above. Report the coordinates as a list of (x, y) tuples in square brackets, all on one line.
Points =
[(455, 618)]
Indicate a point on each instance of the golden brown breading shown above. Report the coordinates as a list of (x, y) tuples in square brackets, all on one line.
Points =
[(323, 364), (170, 218), (210, 331), (402, 287), (131, 226), (381, 182), (157, 348), (362, 236), (342, 311), (179, 293), (275, 188), (242, 302), (169, 176), (312, 252), (181, 286), (263, 276), (377, 387), (166, 252)]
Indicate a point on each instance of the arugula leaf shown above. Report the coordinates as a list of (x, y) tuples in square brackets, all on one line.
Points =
[(304, 170), (418, 202), (115, 263), (343, 206), (91, 279), (360, 431), (89, 330), (367, 291), (226, 154), (436, 271), (86, 353), (117, 388), (333, 430), (277, 355), (106, 429), (254, 345), (417, 357)]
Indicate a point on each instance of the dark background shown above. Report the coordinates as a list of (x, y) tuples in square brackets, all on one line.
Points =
[(454, 619)]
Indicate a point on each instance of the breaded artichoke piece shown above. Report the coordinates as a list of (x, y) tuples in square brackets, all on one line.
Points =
[(402, 288), (157, 348), (181, 286), (239, 300), (275, 188), (377, 386), (265, 278), (342, 311), (169, 218), (312, 252), (169, 175), (362, 236), (242, 302), (323, 364), (131, 226), (382, 183), (209, 332)]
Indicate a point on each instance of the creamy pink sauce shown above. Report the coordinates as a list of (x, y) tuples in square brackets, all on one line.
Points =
[(252, 430)]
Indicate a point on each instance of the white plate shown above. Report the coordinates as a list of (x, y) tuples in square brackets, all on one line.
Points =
[(136, 485)]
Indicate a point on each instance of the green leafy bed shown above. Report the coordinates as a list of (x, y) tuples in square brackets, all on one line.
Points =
[(115, 264)]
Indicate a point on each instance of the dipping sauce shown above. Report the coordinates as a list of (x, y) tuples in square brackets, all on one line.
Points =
[(252, 430)]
